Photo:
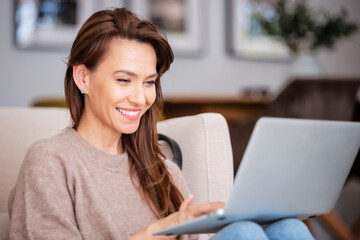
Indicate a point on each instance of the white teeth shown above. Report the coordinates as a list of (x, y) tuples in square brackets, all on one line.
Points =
[(129, 113)]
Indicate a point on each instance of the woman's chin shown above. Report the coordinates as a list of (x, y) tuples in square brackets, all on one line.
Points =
[(129, 129)]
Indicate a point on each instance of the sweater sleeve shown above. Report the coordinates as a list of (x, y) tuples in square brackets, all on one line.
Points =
[(40, 205)]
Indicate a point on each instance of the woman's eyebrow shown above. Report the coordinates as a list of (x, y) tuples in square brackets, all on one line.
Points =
[(155, 75), (134, 74)]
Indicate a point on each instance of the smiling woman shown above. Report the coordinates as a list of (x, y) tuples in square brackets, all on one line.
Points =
[(105, 177), (112, 88)]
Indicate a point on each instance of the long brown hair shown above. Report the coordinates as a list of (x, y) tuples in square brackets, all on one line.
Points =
[(145, 159)]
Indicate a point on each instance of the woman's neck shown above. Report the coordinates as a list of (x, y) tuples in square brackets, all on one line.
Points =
[(100, 136)]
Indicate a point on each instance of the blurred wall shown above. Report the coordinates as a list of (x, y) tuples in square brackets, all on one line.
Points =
[(26, 75)]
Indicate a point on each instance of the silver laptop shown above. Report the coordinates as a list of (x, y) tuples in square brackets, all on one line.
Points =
[(291, 168)]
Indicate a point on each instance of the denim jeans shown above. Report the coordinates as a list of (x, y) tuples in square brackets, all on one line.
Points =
[(285, 229)]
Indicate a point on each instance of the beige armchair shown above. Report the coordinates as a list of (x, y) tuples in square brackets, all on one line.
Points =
[(203, 139)]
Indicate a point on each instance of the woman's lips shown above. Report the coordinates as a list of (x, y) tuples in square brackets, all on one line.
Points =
[(131, 114)]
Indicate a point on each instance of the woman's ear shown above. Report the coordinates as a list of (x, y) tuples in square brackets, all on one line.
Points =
[(80, 76)]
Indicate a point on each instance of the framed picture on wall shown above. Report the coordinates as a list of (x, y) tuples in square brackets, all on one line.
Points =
[(245, 38), (53, 24), (180, 20)]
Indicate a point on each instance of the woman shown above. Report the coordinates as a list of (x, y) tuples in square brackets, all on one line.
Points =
[(105, 178)]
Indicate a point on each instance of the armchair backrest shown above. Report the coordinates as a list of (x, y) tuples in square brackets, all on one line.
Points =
[(205, 145), (203, 139)]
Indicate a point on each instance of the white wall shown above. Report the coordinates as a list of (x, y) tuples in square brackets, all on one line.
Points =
[(26, 75)]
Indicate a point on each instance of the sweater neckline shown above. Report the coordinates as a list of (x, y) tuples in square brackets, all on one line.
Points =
[(112, 162)]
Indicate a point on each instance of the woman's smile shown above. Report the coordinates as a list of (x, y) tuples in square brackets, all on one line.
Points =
[(131, 114)]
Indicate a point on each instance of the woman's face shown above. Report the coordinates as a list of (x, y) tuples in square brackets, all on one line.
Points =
[(122, 87)]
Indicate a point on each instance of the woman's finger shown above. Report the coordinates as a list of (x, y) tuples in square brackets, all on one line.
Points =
[(203, 208), (186, 203), (183, 215)]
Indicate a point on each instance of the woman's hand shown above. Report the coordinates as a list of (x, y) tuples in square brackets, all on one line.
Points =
[(185, 213)]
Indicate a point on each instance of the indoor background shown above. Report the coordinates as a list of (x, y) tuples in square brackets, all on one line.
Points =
[(28, 74), (211, 70)]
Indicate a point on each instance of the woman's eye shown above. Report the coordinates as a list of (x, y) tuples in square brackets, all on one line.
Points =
[(150, 83), (123, 80)]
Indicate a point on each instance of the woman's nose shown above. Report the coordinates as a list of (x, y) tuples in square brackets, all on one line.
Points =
[(137, 95)]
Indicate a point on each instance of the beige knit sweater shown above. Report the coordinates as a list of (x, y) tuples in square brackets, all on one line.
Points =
[(68, 189)]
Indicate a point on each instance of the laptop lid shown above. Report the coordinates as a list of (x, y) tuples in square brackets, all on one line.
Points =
[(291, 168)]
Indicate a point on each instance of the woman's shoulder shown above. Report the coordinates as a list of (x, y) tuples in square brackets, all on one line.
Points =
[(48, 148), (52, 143)]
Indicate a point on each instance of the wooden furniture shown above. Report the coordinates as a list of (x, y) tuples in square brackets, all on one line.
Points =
[(49, 102), (234, 108)]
